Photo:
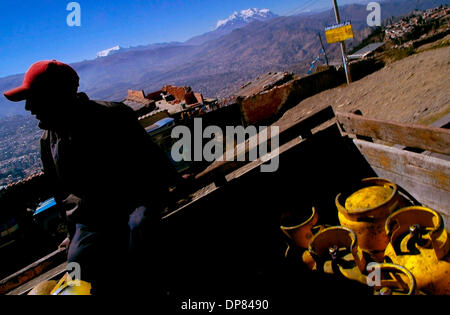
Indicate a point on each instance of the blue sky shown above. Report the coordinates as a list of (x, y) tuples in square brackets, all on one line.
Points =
[(33, 30)]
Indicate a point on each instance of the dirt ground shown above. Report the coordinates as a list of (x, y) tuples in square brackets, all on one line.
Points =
[(415, 89)]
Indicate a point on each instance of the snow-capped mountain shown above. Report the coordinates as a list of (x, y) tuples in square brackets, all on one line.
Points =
[(108, 51), (223, 27), (234, 21), (246, 16)]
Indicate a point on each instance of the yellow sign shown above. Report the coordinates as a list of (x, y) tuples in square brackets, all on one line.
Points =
[(339, 32)]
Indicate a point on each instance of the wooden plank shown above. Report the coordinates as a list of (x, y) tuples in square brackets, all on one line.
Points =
[(254, 164), (289, 128), (53, 274), (196, 196), (415, 136), (424, 177), (26, 274), (444, 122), (282, 149), (437, 155), (426, 195), (239, 172), (446, 219), (428, 170)]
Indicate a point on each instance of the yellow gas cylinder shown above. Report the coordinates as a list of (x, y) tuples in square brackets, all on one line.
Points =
[(418, 241), (65, 286), (335, 250), (43, 288), (393, 280), (298, 236), (365, 211), (301, 233)]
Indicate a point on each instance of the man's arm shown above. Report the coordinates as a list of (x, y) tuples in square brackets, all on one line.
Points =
[(153, 163), (51, 178), (48, 164)]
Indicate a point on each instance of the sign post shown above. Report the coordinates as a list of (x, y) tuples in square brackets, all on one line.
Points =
[(339, 33), (323, 48)]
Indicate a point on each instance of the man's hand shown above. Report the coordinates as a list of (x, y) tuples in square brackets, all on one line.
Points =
[(188, 176), (73, 206), (65, 244)]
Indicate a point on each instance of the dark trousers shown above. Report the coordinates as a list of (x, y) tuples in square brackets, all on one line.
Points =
[(120, 257)]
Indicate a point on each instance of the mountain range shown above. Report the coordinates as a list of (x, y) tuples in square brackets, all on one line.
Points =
[(247, 44)]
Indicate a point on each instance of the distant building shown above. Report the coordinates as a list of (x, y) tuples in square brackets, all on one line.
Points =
[(154, 116), (179, 93), (172, 107), (178, 102), (183, 95), (137, 101), (366, 51), (402, 30), (174, 99)]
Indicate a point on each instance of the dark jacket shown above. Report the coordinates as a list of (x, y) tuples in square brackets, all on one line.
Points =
[(106, 165)]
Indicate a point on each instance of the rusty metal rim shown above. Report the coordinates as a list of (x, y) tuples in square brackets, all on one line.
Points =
[(436, 233), (289, 228), (402, 269), (437, 227), (365, 182), (354, 249), (351, 233)]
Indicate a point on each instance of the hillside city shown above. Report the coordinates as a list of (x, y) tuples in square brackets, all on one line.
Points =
[(418, 22), (19, 144)]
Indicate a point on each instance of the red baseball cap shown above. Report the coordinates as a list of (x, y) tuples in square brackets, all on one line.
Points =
[(44, 74)]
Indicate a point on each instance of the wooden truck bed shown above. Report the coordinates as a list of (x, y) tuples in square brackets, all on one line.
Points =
[(226, 239)]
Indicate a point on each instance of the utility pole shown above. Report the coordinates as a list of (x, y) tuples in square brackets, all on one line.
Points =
[(343, 50), (323, 48)]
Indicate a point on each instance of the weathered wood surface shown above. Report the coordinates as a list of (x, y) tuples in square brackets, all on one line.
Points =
[(56, 272), (426, 178), (289, 128), (32, 271), (282, 149), (444, 122), (415, 136), (206, 190)]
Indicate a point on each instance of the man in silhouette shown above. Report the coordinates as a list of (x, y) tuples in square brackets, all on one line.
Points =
[(107, 174)]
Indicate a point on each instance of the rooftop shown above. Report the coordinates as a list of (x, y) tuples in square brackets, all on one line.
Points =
[(367, 50), (137, 101), (264, 83)]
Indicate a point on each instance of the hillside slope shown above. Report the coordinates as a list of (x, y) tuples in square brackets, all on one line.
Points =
[(413, 90)]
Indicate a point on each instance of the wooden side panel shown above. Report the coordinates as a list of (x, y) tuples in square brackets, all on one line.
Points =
[(32, 271), (415, 136), (289, 129), (424, 177), (55, 274)]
